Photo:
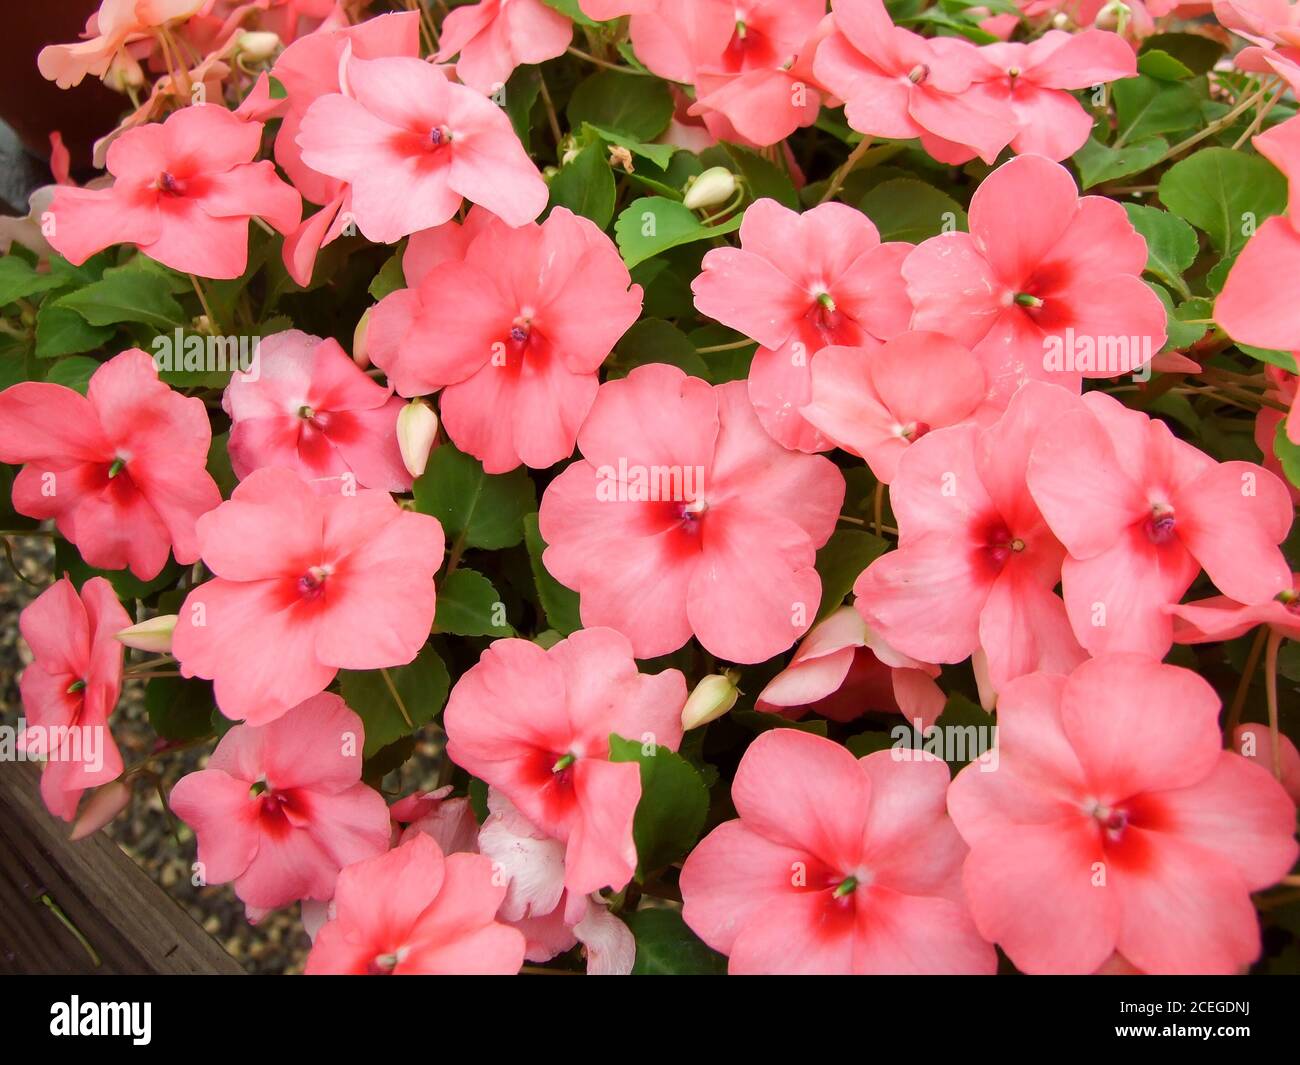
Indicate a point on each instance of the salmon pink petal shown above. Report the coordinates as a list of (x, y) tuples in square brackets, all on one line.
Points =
[(1250, 308), (215, 805), (600, 850)]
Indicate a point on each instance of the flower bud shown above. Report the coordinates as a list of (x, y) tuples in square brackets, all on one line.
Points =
[(417, 426), (153, 635), (712, 697), (360, 351), (715, 186), (257, 44), (104, 804)]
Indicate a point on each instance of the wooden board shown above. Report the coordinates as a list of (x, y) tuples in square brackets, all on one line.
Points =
[(49, 887)]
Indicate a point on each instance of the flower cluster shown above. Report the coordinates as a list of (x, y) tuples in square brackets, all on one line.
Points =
[(751, 485)]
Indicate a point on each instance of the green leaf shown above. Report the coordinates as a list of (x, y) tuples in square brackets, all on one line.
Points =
[(521, 93), (62, 331), (1224, 193), (1098, 162), (560, 604), (421, 686), (1179, 334), (1195, 52), (910, 210), (1284, 359), (18, 280), (653, 224), (628, 104), (390, 277), (179, 708), (1157, 64), (74, 372), (674, 803), (126, 296), (665, 946), (765, 178), (659, 154), (585, 185), (1171, 243), (478, 509), (1146, 106), (654, 340), (468, 605), (846, 554), (572, 10), (1288, 454)]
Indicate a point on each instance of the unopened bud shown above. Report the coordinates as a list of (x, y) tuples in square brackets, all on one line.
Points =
[(257, 44), (154, 635), (713, 696), (104, 804), (713, 187), (123, 74), (417, 426), (360, 352)]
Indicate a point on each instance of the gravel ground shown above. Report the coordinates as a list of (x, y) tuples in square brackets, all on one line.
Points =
[(145, 831)]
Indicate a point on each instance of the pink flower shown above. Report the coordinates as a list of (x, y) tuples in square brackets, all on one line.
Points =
[(1116, 822), (1031, 79), (109, 30), (185, 191), (899, 85), (414, 912), (604, 10), (1255, 742), (280, 809), (1221, 618), (1140, 513), (71, 687), (684, 517), (1045, 286), (305, 585), (843, 669), (976, 563), (875, 404), (493, 37), (411, 144), (450, 821), (552, 919), (835, 866), (121, 470), (798, 283), (306, 406), (513, 324), (536, 724)]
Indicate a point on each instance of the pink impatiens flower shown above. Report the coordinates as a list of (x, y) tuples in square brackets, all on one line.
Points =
[(412, 144), (121, 470), (1046, 285), (1141, 513), (71, 688), (684, 517), (117, 24), (305, 585), (875, 404), (513, 324), (306, 406), (414, 912), (976, 563), (835, 866), (185, 191), (280, 809), (798, 283), (1117, 822), (1221, 618), (493, 37), (535, 725), (899, 85)]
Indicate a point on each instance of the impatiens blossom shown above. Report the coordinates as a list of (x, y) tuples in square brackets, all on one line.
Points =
[(71, 687), (280, 809), (1221, 618), (306, 406), (185, 191), (304, 585), (798, 283), (109, 30), (1045, 286), (835, 866), (877, 403), (1141, 513), (536, 726), (121, 470), (683, 517), (493, 37), (513, 324), (976, 563), (552, 919), (412, 144), (1117, 822), (899, 85), (842, 669), (414, 912), (1256, 743), (1031, 79), (450, 821)]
